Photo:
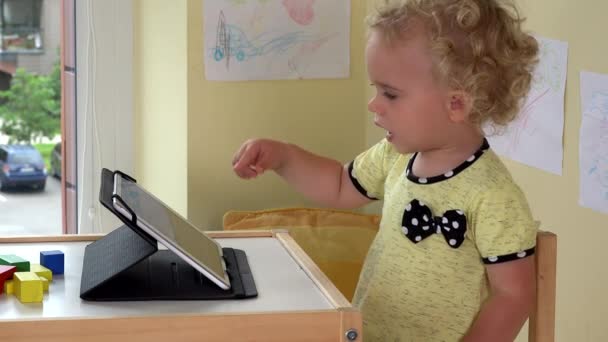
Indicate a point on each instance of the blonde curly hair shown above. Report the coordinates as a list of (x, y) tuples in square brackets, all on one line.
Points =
[(478, 45)]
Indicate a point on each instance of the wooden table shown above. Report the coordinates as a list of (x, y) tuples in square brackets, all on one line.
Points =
[(296, 301)]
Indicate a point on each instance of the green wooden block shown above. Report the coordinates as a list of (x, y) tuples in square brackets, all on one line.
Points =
[(13, 260)]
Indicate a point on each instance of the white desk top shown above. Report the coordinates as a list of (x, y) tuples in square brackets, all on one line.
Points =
[(282, 286)]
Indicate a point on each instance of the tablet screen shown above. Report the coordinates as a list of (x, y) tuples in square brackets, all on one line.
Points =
[(167, 223)]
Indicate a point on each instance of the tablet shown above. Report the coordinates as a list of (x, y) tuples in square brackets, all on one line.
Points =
[(170, 229)]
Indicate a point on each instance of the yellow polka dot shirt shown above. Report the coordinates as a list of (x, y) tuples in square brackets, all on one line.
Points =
[(424, 277)]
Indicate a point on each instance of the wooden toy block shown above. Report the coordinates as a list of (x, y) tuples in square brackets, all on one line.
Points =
[(53, 260), (27, 287), (6, 273), (9, 287), (45, 284), (13, 260), (41, 271)]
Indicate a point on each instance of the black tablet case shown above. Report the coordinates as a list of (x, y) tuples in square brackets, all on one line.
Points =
[(126, 265)]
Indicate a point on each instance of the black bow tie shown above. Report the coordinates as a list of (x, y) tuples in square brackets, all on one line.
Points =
[(419, 223)]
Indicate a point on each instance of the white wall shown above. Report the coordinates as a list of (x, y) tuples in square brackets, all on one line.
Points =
[(104, 53)]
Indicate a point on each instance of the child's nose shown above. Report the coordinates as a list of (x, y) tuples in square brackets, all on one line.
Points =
[(373, 105)]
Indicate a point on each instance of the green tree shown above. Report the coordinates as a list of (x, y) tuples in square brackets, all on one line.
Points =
[(32, 106)]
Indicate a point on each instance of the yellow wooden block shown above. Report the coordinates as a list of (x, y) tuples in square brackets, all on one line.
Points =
[(41, 271), (28, 287), (45, 284), (9, 287)]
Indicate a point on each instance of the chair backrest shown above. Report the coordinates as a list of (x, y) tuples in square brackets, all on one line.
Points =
[(336, 240), (541, 326)]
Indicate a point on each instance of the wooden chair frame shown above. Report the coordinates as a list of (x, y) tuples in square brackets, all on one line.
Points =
[(542, 319)]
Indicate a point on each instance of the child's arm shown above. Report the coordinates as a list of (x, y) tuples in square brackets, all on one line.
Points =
[(512, 296), (321, 179)]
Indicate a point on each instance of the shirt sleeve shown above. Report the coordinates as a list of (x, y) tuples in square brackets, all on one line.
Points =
[(369, 169), (503, 225)]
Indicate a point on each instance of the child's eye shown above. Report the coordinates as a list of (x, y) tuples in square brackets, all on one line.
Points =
[(389, 95), (385, 93)]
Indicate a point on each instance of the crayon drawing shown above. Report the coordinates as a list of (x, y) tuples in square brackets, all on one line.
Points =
[(276, 39), (535, 137), (593, 148)]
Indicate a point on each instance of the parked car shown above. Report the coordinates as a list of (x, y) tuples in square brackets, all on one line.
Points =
[(21, 165), (56, 161)]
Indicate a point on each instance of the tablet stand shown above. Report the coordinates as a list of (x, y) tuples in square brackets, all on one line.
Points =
[(126, 265)]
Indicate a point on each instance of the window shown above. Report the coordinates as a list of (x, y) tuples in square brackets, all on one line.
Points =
[(20, 25), (30, 116), (26, 157), (97, 108)]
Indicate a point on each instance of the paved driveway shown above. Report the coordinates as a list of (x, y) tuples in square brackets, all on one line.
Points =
[(30, 212)]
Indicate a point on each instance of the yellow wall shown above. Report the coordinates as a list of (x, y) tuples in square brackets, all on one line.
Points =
[(160, 77), (325, 116)]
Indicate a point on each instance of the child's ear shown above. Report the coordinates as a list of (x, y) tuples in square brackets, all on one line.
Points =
[(459, 105)]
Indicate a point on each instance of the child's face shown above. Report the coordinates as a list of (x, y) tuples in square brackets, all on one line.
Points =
[(410, 104)]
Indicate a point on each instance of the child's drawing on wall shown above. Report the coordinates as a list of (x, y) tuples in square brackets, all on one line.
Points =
[(276, 39), (594, 141), (535, 137)]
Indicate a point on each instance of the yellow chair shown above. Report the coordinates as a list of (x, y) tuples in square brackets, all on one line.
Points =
[(337, 241)]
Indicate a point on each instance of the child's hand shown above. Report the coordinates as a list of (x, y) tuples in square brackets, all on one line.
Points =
[(320, 179), (256, 156)]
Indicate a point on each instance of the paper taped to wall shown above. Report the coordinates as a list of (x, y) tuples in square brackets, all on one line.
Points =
[(276, 39), (593, 147), (535, 137)]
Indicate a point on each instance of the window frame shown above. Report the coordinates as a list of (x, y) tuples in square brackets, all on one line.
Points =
[(103, 106)]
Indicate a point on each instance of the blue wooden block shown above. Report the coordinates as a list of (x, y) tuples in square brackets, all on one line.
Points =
[(53, 260)]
